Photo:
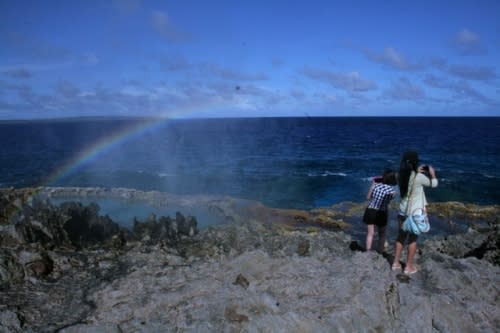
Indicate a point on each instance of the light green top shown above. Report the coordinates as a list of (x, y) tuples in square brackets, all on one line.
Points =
[(416, 194)]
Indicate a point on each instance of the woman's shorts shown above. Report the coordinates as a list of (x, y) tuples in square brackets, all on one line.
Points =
[(375, 216)]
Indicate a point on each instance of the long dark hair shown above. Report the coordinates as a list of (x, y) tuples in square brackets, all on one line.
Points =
[(409, 163)]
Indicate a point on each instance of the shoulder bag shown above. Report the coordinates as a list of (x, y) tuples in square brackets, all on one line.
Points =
[(417, 221)]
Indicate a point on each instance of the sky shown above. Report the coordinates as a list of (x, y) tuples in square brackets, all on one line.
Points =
[(178, 59)]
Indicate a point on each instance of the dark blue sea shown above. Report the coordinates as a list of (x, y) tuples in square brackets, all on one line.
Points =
[(282, 162)]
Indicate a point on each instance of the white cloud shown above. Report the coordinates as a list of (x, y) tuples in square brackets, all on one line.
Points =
[(67, 89), (351, 81), (467, 72), (472, 73), (393, 59), (127, 6), (165, 27), (461, 89), (467, 42), (231, 74), (327, 98), (27, 46), (403, 89), (18, 73), (174, 63), (277, 62), (298, 94), (90, 59)]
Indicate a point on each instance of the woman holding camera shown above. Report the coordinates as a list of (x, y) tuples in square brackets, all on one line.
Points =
[(412, 180)]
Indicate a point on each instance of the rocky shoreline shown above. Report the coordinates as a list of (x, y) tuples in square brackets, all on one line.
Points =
[(70, 269)]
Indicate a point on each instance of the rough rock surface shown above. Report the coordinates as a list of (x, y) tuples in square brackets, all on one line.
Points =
[(244, 276)]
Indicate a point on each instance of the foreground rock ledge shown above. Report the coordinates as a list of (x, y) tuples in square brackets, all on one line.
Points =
[(247, 276)]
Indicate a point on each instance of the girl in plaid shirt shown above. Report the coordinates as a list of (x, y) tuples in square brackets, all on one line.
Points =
[(381, 192)]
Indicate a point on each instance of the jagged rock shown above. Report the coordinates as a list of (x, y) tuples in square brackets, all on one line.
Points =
[(189, 284), (482, 244), (85, 226), (165, 229), (38, 228), (39, 222)]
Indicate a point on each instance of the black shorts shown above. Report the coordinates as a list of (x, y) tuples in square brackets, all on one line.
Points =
[(375, 216)]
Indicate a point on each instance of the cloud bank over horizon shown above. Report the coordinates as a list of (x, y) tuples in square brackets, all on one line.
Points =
[(227, 59)]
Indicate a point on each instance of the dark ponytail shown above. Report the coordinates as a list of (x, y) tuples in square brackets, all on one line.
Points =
[(408, 164)]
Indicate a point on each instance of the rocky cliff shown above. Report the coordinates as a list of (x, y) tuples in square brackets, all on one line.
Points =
[(68, 269)]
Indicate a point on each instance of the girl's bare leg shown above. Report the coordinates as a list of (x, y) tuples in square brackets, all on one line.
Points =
[(397, 254), (412, 249), (369, 236)]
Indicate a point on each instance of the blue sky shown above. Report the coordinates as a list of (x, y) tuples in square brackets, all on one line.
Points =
[(249, 58)]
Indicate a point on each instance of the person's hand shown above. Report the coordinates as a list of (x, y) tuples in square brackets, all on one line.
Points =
[(432, 172), (427, 169)]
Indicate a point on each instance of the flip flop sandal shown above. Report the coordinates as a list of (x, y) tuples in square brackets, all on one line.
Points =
[(396, 267), (408, 272)]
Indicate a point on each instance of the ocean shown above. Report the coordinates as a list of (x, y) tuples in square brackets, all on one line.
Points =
[(300, 163)]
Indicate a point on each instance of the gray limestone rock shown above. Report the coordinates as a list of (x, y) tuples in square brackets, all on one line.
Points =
[(242, 276)]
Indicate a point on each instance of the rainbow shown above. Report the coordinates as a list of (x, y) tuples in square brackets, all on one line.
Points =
[(104, 145), (96, 149), (138, 128)]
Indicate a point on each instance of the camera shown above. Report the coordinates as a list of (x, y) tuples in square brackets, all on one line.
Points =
[(425, 171), (378, 179)]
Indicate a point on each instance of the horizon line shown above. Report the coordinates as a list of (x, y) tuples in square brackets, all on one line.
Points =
[(132, 117)]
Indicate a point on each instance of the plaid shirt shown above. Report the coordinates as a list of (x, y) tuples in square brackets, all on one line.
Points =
[(381, 195)]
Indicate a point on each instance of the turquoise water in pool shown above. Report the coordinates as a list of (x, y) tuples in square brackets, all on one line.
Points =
[(123, 211)]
